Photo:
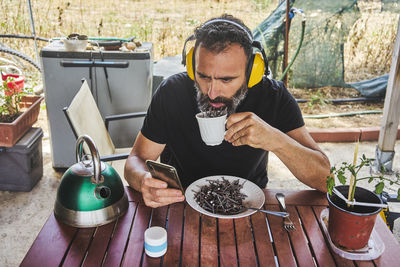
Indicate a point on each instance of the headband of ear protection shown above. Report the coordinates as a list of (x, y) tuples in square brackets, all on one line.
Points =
[(256, 68)]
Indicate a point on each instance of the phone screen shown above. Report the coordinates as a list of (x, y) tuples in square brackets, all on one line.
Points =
[(164, 172)]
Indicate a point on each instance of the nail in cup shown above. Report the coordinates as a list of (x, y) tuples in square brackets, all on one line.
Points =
[(212, 129), (155, 241)]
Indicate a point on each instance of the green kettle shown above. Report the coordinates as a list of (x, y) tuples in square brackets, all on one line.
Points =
[(91, 192)]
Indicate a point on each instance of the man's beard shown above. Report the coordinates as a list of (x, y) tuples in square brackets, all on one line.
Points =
[(230, 104)]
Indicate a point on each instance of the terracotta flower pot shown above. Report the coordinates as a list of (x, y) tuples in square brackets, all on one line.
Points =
[(351, 227), (10, 133)]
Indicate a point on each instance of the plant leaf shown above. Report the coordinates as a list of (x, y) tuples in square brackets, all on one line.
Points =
[(382, 169), (341, 177), (330, 183), (379, 187), (351, 169)]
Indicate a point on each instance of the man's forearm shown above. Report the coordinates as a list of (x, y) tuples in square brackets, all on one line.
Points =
[(135, 172), (310, 165)]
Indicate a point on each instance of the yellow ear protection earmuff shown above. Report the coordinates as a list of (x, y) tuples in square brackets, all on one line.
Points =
[(258, 63)]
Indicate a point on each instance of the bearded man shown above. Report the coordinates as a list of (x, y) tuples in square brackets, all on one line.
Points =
[(262, 117)]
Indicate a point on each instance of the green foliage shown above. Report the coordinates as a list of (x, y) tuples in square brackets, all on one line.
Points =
[(379, 187), (330, 183), (141, 29), (10, 97), (317, 99), (341, 177), (347, 169), (192, 22), (11, 93), (264, 3)]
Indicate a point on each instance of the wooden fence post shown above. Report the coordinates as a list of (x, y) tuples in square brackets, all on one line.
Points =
[(391, 112)]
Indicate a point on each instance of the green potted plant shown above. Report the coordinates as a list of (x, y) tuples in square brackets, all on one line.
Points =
[(352, 218), (18, 109)]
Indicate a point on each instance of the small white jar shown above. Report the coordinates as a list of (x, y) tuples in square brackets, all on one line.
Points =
[(155, 241)]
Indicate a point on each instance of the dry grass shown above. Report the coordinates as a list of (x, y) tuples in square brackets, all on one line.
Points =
[(165, 23), (369, 47)]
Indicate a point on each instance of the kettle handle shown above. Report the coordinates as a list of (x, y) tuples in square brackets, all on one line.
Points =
[(93, 151)]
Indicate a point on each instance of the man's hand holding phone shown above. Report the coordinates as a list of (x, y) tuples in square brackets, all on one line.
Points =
[(161, 186)]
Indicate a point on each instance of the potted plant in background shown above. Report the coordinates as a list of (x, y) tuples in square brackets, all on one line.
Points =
[(18, 109), (352, 219)]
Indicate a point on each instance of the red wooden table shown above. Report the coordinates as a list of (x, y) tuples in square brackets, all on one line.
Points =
[(194, 239)]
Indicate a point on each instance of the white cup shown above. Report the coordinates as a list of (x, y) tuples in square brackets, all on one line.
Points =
[(75, 45), (212, 129), (155, 241)]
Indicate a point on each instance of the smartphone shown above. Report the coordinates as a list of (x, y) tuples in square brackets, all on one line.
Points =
[(164, 172)]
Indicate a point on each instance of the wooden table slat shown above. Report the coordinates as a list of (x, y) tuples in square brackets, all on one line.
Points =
[(133, 195), (365, 264), (315, 236), (280, 238), (54, 239), (208, 239), (190, 249), (117, 245), (299, 240), (135, 248), (391, 254), (79, 246), (304, 197), (339, 260), (158, 218), (265, 251), (244, 239), (99, 245), (175, 224), (227, 244)]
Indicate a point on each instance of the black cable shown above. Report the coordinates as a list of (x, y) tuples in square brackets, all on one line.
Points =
[(106, 75), (24, 37), (20, 55), (91, 74)]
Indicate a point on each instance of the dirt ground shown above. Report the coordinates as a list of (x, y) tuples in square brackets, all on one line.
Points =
[(319, 104)]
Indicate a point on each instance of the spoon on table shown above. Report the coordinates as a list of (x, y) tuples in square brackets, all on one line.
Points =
[(244, 208), (276, 213)]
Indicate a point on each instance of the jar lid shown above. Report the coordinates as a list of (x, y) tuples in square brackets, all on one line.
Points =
[(155, 241), (155, 236)]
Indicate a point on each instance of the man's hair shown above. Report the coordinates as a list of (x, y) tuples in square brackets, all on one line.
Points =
[(216, 37)]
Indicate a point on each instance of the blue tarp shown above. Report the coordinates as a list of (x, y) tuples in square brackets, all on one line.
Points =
[(375, 87)]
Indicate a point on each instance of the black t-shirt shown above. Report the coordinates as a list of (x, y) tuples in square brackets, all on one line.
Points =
[(171, 120)]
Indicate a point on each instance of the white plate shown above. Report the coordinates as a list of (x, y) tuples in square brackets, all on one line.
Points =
[(255, 196)]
